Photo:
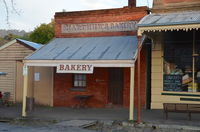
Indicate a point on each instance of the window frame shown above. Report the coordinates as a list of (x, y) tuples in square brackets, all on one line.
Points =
[(177, 68), (79, 80)]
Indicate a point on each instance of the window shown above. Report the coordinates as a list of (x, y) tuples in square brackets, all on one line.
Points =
[(177, 67), (80, 80), (182, 64)]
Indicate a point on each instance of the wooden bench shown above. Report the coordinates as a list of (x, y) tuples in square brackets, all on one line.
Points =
[(181, 108)]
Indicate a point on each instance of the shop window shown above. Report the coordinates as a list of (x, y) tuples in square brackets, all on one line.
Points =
[(181, 66), (177, 67), (79, 81)]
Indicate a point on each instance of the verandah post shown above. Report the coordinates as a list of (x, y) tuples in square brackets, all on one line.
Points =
[(138, 82), (25, 89), (131, 107)]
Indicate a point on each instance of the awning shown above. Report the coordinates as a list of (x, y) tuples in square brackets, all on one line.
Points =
[(169, 22), (100, 51)]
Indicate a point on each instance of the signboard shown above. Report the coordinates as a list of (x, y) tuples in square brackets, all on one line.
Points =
[(37, 76), (25, 70), (75, 68), (99, 27), (172, 82)]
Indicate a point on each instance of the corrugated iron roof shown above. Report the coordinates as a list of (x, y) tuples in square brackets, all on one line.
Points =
[(31, 44), (163, 19), (92, 48)]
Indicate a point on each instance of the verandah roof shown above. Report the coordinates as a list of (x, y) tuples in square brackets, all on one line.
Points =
[(92, 49), (187, 20)]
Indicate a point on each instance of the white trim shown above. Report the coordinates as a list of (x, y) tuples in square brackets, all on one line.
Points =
[(184, 27), (131, 104), (95, 63), (8, 44)]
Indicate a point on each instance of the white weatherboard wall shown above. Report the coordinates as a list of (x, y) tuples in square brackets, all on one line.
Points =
[(8, 62), (7, 82), (157, 73), (43, 86)]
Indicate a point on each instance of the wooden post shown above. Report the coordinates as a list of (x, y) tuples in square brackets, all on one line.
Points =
[(25, 89), (193, 63), (138, 83), (131, 107)]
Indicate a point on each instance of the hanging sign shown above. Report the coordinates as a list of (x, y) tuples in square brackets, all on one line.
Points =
[(99, 27), (25, 70), (37, 76), (75, 68)]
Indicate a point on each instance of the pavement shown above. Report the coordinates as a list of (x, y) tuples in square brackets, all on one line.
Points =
[(70, 119)]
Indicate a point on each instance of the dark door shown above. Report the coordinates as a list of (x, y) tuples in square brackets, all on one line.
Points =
[(148, 90), (115, 92)]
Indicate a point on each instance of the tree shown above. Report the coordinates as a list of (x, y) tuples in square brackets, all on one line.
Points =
[(2, 41), (10, 37), (43, 34), (26, 36), (9, 6)]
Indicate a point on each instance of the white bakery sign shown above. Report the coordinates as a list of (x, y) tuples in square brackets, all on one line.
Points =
[(75, 68)]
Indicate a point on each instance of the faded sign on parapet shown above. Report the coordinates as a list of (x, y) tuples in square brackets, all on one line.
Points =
[(99, 27)]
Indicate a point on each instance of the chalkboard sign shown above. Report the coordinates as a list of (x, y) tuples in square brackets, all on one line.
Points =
[(172, 82)]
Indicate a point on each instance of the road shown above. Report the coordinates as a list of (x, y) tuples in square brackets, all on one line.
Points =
[(6, 127), (60, 127)]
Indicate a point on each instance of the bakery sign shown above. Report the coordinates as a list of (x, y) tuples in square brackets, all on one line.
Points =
[(99, 27), (75, 68)]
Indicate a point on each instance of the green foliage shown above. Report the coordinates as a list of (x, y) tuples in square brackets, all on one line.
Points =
[(43, 34), (25, 37), (6, 37), (2, 41), (10, 37)]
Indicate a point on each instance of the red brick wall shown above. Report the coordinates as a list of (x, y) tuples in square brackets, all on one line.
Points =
[(143, 83), (98, 16), (97, 85), (179, 1), (126, 92)]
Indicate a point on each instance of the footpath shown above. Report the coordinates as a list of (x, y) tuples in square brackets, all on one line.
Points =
[(95, 120)]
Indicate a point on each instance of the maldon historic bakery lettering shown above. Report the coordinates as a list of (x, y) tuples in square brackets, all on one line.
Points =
[(99, 27), (75, 68)]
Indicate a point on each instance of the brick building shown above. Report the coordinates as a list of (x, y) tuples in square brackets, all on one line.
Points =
[(92, 57)]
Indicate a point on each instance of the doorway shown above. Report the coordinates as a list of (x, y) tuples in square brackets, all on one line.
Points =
[(148, 84), (115, 90)]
